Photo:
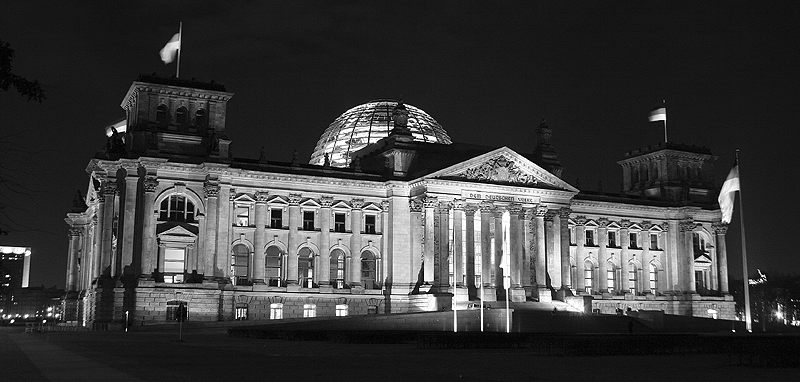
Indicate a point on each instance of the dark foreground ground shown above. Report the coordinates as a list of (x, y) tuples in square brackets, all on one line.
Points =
[(211, 355)]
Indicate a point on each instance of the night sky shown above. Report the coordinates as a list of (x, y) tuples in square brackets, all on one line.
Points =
[(489, 72)]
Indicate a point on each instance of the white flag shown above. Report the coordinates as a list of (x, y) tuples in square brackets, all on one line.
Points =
[(727, 194), (171, 49), (659, 114)]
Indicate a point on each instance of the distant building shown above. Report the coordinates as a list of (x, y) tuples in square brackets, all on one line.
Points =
[(388, 216), (15, 265)]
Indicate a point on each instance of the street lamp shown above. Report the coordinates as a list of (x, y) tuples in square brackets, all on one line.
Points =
[(506, 286)]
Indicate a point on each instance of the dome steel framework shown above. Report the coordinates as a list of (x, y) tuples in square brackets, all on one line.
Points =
[(368, 123)]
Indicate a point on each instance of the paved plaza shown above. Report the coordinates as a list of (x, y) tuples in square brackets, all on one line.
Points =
[(210, 355)]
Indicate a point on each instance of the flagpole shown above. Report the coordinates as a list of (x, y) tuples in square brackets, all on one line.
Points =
[(665, 119), (748, 322), (180, 41)]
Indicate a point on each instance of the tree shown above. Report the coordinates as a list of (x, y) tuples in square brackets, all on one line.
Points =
[(8, 79)]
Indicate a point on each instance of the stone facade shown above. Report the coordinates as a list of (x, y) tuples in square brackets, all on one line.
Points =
[(171, 218)]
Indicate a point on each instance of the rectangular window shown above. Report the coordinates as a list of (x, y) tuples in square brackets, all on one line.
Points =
[(634, 237), (174, 263), (308, 220), (242, 216), (587, 279), (610, 280), (590, 237), (653, 241), (341, 310), (653, 279), (632, 281), (276, 311), (309, 310), (241, 313), (276, 218), (338, 222), (612, 239), (369, 223)]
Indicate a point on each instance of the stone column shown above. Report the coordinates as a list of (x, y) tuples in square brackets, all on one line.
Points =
[(386, 260), (107, 256), (429, 203), (516, 245), (72, 258), (325, 240), (260, 238), (487, 219), (580, 257), (541, 251), (553, 236), (294, 238), (128, 217), (97, 236), (498, 247), (566, 269), (442, 259), (211, 190), (624, 242), (645, 239), (149, 251), (529, 248), (470, 248), (417, 240), (458, 248), (356, 225), (722, 256), (687, 227), (224, 224), (602, 256)]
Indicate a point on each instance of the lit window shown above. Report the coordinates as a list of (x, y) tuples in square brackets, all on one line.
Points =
[(241, 264), (653, 241), (612, 239), (274, 265), (341, 310), (587, 277), (368, 270), (610, 279), (337, 268), (174, 265), (276, 218), (276, 311), (632, 281), (242, 216), (241, 313), (177, 208), (590, 237), (338, 222), (305, 268), (308, 220), (369, 224), (653, 279), (634, 238), (309, 310)]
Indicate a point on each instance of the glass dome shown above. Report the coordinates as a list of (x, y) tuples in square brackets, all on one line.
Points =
[(368, 123)]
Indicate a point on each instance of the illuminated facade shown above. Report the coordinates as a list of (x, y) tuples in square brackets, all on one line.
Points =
[(15, 267), (411, 223)]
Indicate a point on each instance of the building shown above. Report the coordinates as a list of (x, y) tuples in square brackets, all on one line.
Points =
[(15, 267), (389, 216)]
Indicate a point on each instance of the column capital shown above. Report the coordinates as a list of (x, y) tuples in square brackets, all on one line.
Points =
[(415, 205), (646, 225), (74, 231), (719, 228), (580, 220), (540, 211), (499, 211), (294, 199), (150, 183), (564, 212), (444, 205), (357, 203), (385, 205), (458, 204), (109, 187), (326, 201), (261, 196), (515, 209), (687, 225), (211, 189), (602, 223), (624, 224), (430, 201), (470, 209), (486, 206)]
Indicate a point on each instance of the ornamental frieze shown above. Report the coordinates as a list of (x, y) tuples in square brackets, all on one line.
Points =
[(498, 169)]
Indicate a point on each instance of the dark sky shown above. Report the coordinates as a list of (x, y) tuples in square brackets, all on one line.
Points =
[(487, 71)]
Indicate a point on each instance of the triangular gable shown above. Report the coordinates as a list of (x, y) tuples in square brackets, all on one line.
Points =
[(635, 226), (310, 203), (503, 165), (613, 225), (177, 230), (244, 198), (341, 205), (372, 207), (277, 200), (702, 257)]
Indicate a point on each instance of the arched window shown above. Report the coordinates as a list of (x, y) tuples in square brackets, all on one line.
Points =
[(588, 272), (305, 268), (610, 272), (337, 268), (200, 118), (368, 270), (177, 208), (241, 264), (632, 278), (161, 115), (181, 115), (653, 278), (274, 265)]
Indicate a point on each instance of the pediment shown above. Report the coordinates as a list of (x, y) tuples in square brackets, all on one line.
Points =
[(175, 231), (503, 166), (244, 198)]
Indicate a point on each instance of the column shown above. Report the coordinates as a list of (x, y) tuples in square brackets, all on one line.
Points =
[(148, 227), (602, 256), (498, 247), (401, 279), (580, 258), (529, 248), (722, 256), (624, 242), (325, 240), (541, 256), (552, 234), (72, 258), (429, 204), (97, 236), (458, 248), (469, 210), (128, 218), (356, 225), (260, 237), (566, 270), (209, 259), (387, 256), (107, 259), (225, 226), (417, 240), (516, 236), (294, 238), (687, 227), (645, 239), (487, 219), (442, 258)]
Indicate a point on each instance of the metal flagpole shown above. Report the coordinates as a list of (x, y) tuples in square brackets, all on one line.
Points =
[(665, 116), (748, 322), (180, 47)]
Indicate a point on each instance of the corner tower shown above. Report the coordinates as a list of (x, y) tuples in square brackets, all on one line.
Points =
[(170, 116)]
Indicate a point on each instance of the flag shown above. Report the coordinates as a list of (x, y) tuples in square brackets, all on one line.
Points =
[(659, 114), (171, 49), (727, 193)]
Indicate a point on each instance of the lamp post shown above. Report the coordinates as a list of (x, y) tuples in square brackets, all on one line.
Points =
[(455, 309), (480, 282), (506, 286)]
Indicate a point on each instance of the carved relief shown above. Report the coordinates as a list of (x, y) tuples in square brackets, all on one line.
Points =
[(541, 211), (499, 169), (564, 213), (430, 201), (261, 196), (326, 201), (211, 189), (580, 220), (415, 205), (385, 205), (687, 226), (294, 199), (150, 184), (720, 228), (357, 203)]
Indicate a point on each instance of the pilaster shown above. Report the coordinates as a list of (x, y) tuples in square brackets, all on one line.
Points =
[(128, 218), (429, 205), (458, 248), (602, 255), (580, 255), (566, 274), (325, 240), (259, 237), (211, 190), (150, 184), (356, 224), (294, 238)]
